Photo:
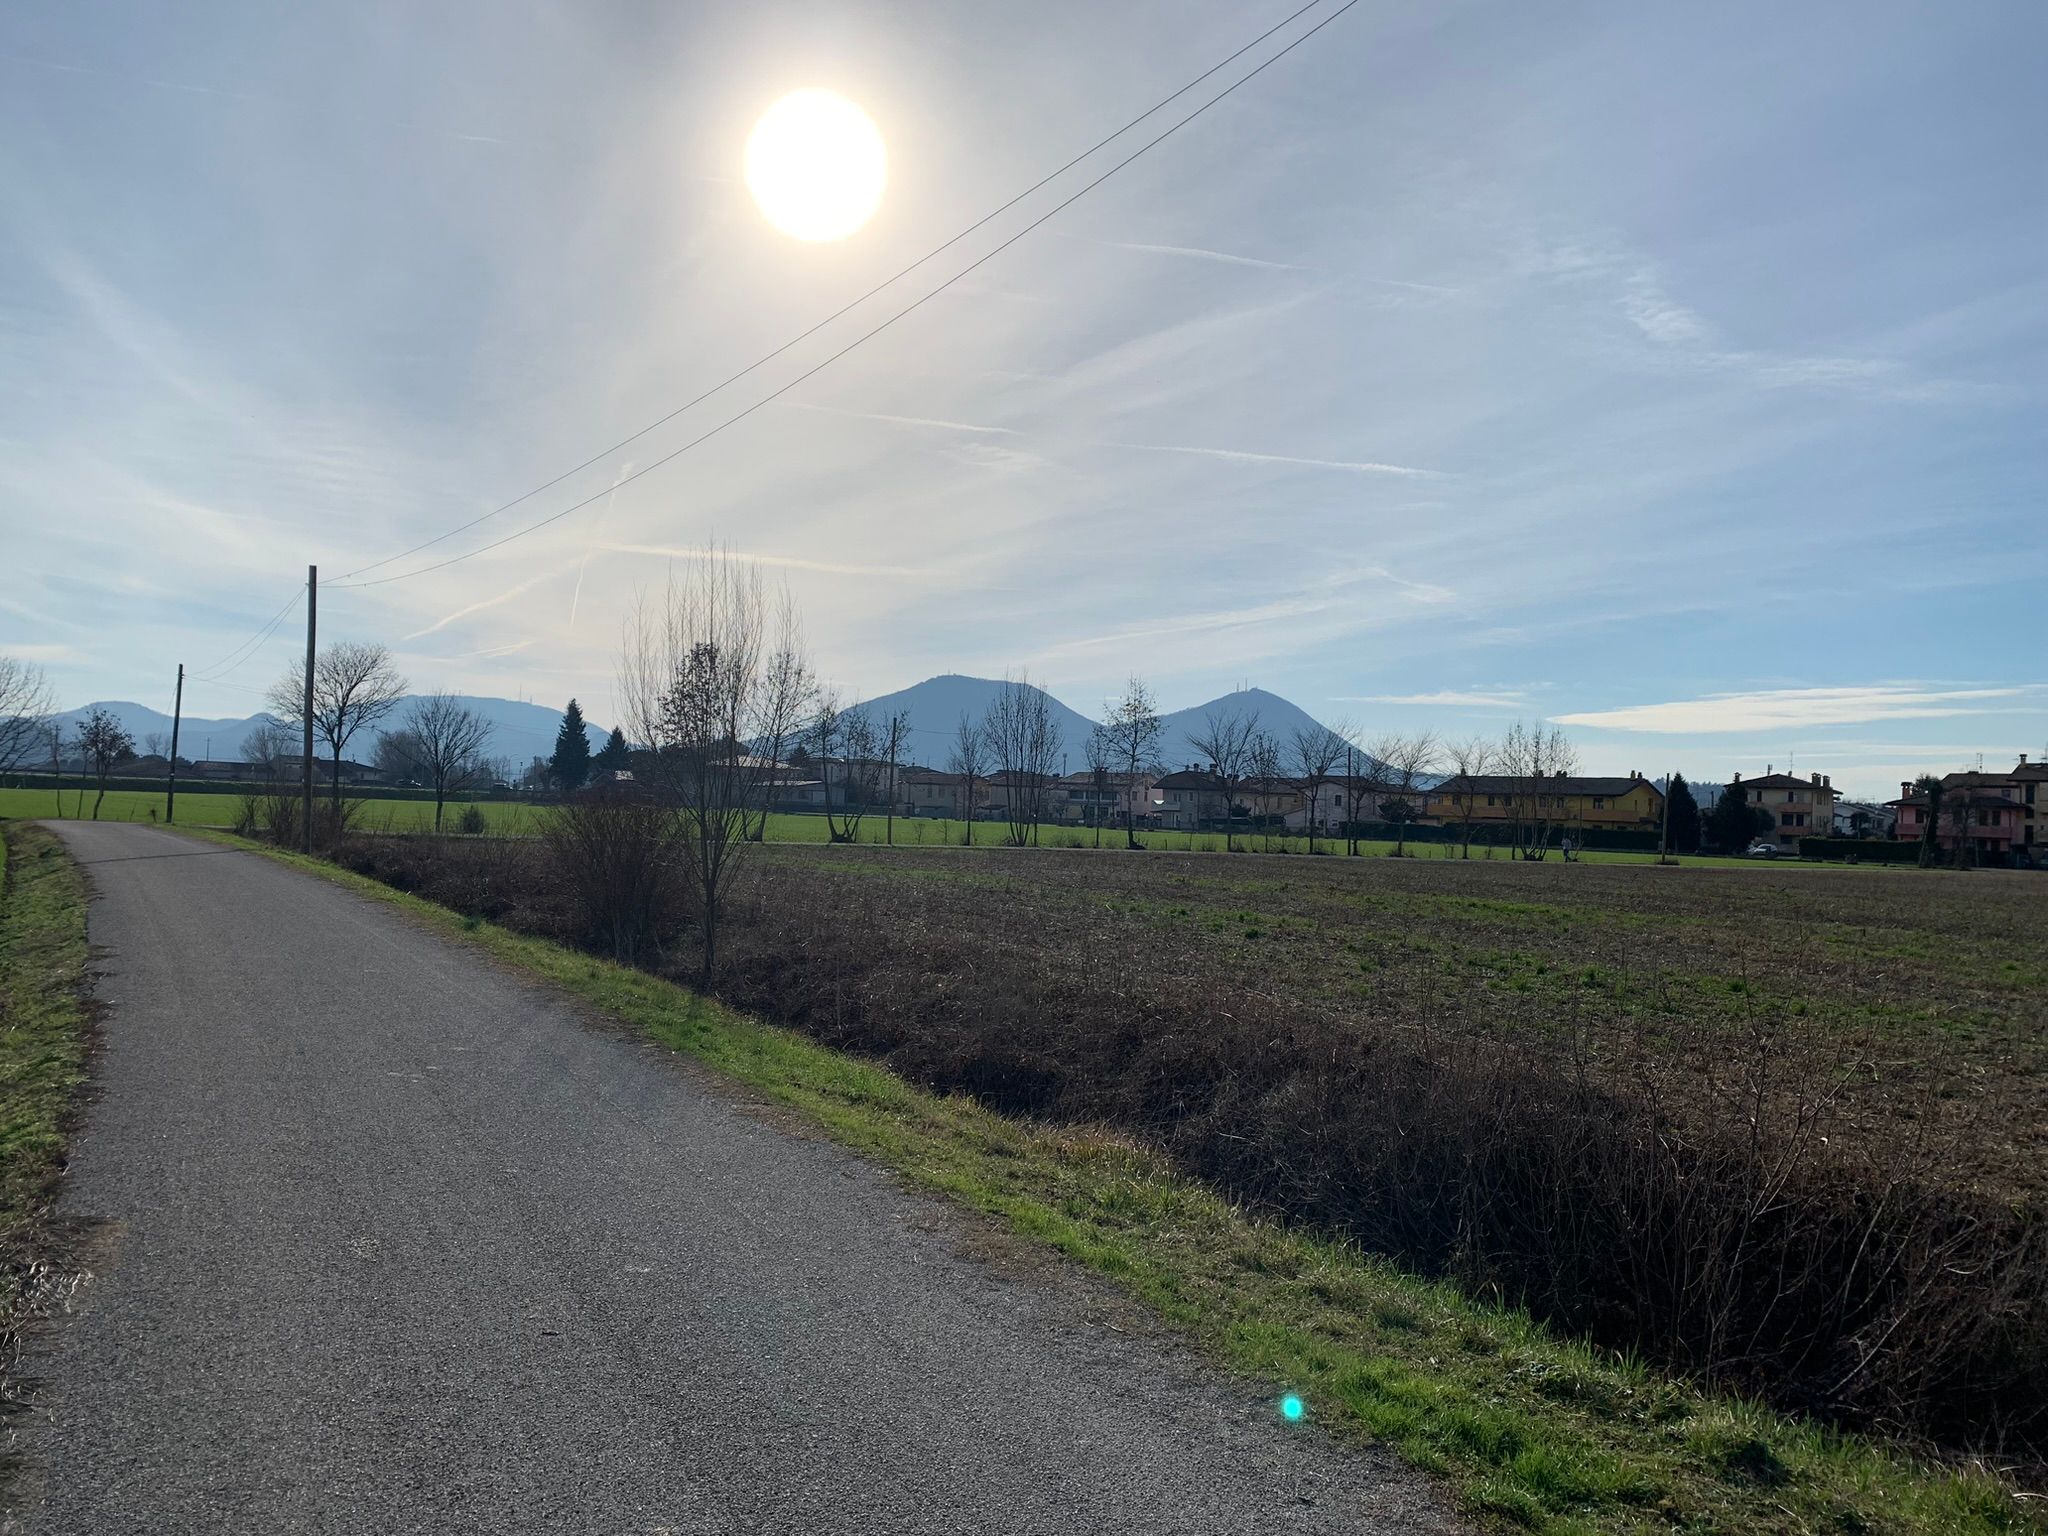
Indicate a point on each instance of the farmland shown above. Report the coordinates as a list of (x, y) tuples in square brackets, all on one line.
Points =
[(1742, 1118), (509, 818)]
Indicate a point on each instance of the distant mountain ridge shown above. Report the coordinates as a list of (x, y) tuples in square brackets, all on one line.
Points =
[(936, 705), (519, 731)]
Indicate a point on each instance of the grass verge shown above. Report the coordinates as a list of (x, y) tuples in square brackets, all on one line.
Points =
[(1530, 1430), (42, 1046)]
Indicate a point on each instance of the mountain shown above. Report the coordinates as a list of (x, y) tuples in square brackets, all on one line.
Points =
[(519, 731), (937, 703), (1277, 717)]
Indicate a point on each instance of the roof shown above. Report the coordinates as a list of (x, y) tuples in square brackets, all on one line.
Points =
[(1979, 800), (1515, 784), (1190, 778), (1781, 781), (1087, 779)]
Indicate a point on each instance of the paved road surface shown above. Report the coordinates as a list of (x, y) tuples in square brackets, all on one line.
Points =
[(393, 1243)]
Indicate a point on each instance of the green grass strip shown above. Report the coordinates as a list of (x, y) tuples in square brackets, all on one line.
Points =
[(1531, 1430), (42, 1041)]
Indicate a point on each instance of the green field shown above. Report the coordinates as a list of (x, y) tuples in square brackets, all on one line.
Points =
[(518, 819)]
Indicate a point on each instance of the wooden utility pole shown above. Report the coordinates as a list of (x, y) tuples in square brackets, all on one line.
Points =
[(177, 714), (1664, 837), (312, 608)]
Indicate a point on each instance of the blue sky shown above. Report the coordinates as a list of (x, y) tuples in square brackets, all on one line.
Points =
[(1678, 375)]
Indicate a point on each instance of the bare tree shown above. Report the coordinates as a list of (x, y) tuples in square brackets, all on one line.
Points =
[(1023, 744), (1133, 738), (449, 738), (861, 738), (354, 685), (824, 733), (704, 675), (1404, 762), (1961, 812), (1265, 771), (1100, 752), (102, 742), (24, 712), (1535, 760), (269, 749), (970, 761), (789, 676), (157, 744), (1470, 760), (1226, 739), (1316, 752), (895, 735)]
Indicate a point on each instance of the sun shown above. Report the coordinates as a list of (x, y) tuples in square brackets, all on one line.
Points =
[(816, 165)]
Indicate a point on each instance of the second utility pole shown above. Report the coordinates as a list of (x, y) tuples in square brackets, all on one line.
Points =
[(177, 714), (312, 602)]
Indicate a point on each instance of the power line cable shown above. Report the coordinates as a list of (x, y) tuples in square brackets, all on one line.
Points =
[(241, 653), (836, 314), (866, 336)]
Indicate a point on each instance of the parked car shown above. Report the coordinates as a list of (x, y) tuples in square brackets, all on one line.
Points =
[(1761, 851)]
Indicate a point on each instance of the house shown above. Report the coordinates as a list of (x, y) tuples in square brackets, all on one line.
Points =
[(1864, 818), (928, 792), (1031, 794), (1797, 807), (1359, 797), (1991, 823), (1561, 800), (2028, 784), (1190, 799), (1103, 799)]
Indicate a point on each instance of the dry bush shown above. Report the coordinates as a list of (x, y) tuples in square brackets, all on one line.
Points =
[(274, 814), (620, 856)]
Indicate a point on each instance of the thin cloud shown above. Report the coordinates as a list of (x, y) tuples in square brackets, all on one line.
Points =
[(1794, 708), (1446, 697), (489, 602), (783, 562), (936, 422), (1238, 455), (1199, 253)]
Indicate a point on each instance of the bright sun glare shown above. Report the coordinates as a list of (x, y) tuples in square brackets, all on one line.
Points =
[(816, 165)]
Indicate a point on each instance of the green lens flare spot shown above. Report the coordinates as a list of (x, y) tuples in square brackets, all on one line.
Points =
[(1292, 1408)]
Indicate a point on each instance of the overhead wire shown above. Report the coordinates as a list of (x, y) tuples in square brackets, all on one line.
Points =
[(866, 336), (843, 310), (235, 658)]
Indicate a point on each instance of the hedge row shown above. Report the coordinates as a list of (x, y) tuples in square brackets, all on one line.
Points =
[(1860, 850)]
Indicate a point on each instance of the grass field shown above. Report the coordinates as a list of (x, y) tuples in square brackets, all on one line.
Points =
[(517, 819), (42, 1053), (1530, 1429)]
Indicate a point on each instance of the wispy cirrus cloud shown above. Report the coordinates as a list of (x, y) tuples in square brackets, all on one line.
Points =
[(478, 607), (1239, 455), (1200, 253), (780, 562), (1446, 697), (1794, 708)]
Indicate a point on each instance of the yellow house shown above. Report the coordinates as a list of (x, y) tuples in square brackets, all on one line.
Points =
[(1564, 801)]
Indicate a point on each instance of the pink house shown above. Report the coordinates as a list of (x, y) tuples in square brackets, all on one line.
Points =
[(1990, 821)]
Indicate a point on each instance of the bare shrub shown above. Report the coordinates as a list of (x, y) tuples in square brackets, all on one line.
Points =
[(618, 852)]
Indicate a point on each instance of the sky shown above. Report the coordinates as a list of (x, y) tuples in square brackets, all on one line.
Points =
[(1674, 374)]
